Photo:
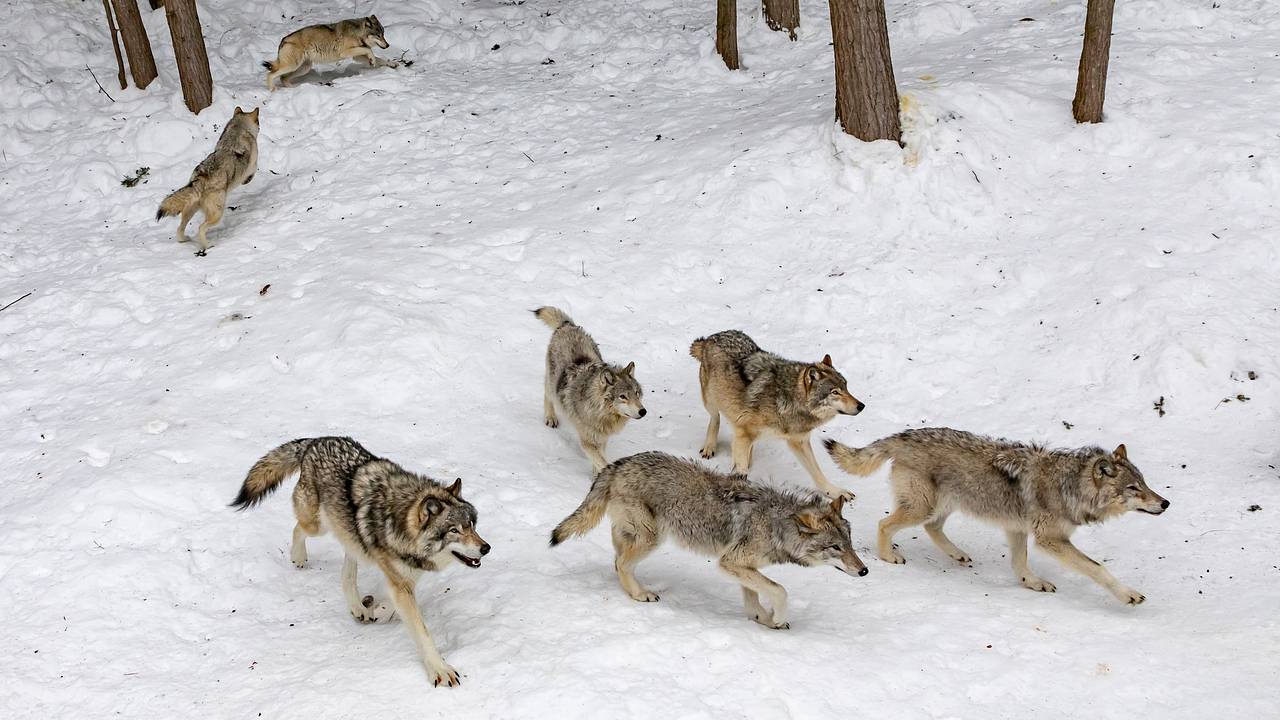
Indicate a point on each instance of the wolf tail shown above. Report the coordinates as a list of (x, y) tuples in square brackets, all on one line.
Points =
[(856, 461), (267, 474), (269, 65), (179, 200), (589, 513), (697, 348), (553, 317)]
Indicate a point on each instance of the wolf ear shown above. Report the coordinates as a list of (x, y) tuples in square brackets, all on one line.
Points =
[(630, 369), (809, 376), (826, 360), (1121, 453), (809, 523), (1106, 467), (456, 488), (430, 508), (837, 505), (609, 377), (239, 110)]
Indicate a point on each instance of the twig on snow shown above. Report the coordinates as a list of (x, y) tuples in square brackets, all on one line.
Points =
[(100, 88), (15, 302)]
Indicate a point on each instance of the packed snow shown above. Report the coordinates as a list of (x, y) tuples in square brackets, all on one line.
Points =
[(1007, 272)]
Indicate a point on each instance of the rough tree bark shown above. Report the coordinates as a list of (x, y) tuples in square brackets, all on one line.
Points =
[(115, 43), (866, 96), (727, 32), (1091, 82), (782, 15), (188, 47), (136, 45)]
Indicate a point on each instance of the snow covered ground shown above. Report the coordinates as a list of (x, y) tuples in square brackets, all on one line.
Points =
[(1009, 272)]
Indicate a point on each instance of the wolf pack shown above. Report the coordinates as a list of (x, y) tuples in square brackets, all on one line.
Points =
[(406, 523)]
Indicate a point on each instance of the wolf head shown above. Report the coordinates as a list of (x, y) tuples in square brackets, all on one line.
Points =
[(374, 34), (250, 119), (1120, 486), (825, 391), (823, 539), (446, 527), (623, 392)]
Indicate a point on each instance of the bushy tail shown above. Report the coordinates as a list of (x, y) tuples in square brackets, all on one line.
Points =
[(553, 317), (697, 347), (589, 513), (267, 474), (856, 461), (179, 200), (269, 65)]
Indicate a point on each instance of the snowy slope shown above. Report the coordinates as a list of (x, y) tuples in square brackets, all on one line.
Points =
[(1009, 273)]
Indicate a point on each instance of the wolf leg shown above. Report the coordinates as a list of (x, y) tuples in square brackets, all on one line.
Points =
[(366, 55), (595, 452), (713, 434), (365, 609), (407, 605), (934, 528), (742, 441), (306, 508), (905, 515), (213, 207), (803, 450), (1069, 555), (549, 401), (632, 545), (755, 611), (296, 74), (182, 224), (1018, 558), (754, 581)]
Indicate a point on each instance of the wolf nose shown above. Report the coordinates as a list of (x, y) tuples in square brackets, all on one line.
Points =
[(1164, 504), (860, 407), (642, 412), (863, 572), (484, 549)]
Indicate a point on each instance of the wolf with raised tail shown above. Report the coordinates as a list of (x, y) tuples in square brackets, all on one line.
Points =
[(327, 43), (747, 526), (597, 397), (384, 515), (1028, 490)]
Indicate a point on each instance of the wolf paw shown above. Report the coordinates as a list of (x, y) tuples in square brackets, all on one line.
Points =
[(1131, 596), (838, 493), (708, 452), (551, 421), (893, 557), (960, 557), (443, 674), (765, 618), (372, 612), (201, 252), (1031, 582), (645, 596)]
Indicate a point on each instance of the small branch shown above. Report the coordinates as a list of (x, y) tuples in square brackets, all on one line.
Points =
[(15, 302), (527, 155), (95, 80)]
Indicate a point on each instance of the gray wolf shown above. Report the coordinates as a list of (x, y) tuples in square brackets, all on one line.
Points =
[(232, 163), (327, 43), (598, 398), (759, 392), (402, 522), (652, 495), (1025, 489)]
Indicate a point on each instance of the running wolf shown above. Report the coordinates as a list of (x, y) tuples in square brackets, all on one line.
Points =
[(327, 43), (653, 495), (382, 514), (232, 163), (1025, 489), (759, 392), (597, 397)]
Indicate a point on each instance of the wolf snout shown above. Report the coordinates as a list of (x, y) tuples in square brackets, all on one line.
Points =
[(863, 572), (1164, 505), (642, 413), (859, 407), (484, 549)]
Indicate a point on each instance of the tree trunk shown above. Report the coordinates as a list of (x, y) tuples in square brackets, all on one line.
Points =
[(727, 32), (115, 43), (157, 4), (136, 45), (1091, 83), (866, 96), (188, 47), (782, 15)]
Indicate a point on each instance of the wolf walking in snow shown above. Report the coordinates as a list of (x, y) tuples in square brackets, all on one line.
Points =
[(598, 398), (1025, 489), (382, 514), (327, 43), (652, 495), (232, 163), (760, 392)]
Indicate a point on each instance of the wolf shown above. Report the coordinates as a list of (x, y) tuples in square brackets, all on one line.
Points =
[(383, 515), (760, 392), (652, 495), (233, 163), (1025, 489), (597, 397), (327, 43)]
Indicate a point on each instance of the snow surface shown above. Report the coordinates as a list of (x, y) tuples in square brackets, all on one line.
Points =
[(1008, 272)]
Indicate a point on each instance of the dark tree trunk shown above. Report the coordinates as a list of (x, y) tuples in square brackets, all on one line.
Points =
[(1091, 83), (115, 43), (188, 47), (782, 15), (727, 32), (866, 96), (136, 45)]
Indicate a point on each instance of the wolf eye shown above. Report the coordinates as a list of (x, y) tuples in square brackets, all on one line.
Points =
[(1133, 488), (622, 396), (833, 547)]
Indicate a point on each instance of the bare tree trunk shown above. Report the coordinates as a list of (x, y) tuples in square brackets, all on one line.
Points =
[(727, 32), (115, 43), (1091, 83), (136, 45), (866, 96), (782, 15), (188, 47)]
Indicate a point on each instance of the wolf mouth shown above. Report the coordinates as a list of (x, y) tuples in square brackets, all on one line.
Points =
[(468, 561)]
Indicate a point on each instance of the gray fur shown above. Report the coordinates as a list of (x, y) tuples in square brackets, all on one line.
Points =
[(597, 397), (1025, 489), (652, 496)]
